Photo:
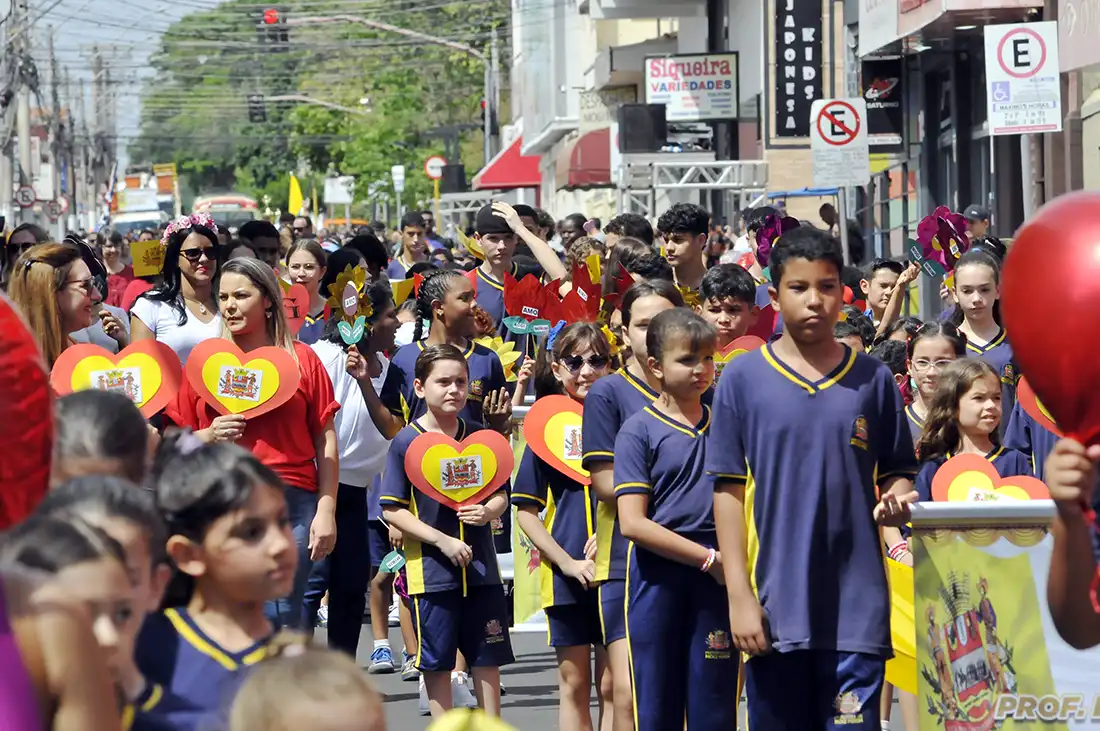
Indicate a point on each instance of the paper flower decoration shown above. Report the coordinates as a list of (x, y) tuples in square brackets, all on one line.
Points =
[(767, 237), (529, 304), (942, 237), (620, 282), (349, 298), (470, 244), (611, 340), (691, 297), (507, 353)]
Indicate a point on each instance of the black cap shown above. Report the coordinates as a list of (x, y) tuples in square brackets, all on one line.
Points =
[(488, 222), (525, 211), (976, 212)]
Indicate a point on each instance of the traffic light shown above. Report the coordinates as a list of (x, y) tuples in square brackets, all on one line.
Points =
[(494, 127), (257, 109), (272, 29)]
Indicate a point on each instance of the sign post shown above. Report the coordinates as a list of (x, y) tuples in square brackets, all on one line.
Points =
[(433, 168), (841, 155), (1024, 94), (397, 174)]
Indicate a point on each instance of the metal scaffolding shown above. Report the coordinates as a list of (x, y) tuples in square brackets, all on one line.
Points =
[(641, 177)]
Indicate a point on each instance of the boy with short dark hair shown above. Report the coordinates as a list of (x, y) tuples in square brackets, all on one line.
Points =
[(685, 227), (877, 285), (728, 295), (805, 425)]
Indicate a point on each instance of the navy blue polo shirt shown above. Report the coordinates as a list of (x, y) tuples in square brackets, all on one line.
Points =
[(486, 374), (569, 514), (1030, 437), (809, 454), (426, 567), (998, 354)]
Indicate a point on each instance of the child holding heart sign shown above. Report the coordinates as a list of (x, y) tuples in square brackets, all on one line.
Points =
[(451, 564), (574, 359)]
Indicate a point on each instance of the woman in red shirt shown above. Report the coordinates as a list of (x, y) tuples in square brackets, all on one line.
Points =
[(119, 273), (297, 440)]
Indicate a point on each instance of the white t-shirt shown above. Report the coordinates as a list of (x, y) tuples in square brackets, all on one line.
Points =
[(163, 321), (362, 447)]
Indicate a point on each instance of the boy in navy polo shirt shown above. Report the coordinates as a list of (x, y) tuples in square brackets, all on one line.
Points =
[(685, 227), (805, 425)]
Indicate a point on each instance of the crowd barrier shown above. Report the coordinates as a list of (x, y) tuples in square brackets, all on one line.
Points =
[(987, 653)]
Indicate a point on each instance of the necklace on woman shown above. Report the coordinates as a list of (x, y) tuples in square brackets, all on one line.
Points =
[(201, 306)]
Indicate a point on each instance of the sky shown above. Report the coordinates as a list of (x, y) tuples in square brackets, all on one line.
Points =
[(127, 32)]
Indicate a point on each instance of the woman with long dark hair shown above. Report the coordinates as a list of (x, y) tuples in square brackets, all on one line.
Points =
[(22, 237), (183, 310)]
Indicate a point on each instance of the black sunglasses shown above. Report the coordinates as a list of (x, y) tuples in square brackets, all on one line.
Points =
[(193, 255), (574, 362)]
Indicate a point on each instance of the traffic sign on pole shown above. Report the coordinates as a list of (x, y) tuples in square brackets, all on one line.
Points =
[(433, 166), (25, 196), (838, 141), (53, 210), (1024, 92), (397, 173)]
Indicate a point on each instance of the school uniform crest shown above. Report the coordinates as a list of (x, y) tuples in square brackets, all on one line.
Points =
[(493, 631), (718, 645), (1009, 375), (477, 388), (860, 436), (849, 709)]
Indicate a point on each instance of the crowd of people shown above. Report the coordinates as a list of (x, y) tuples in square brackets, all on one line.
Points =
[(727, 527)]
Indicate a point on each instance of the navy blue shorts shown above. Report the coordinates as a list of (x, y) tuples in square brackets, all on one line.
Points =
[(613, 610), (476, 624), (574, 625), (378, 537), (837, 690)]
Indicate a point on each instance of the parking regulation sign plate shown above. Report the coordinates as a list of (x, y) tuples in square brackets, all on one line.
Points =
[(1023, 93), (838, 141)]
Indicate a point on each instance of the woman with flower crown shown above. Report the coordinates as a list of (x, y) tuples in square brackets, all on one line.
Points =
[(182, 311)]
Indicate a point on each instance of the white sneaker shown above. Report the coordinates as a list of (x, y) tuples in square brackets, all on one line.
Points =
[(395, 612), (461, 695), (422, 705)]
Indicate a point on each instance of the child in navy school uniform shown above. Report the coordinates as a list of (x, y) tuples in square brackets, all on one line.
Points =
[(963, 418), (803, 427), (1027, 435), (229, 537), (932, 348), (574, 358), (683, 664), (610, 402), (977, 314), (451, 566), (728, 301)]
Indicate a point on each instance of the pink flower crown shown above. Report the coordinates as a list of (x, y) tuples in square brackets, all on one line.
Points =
[(186, 222)]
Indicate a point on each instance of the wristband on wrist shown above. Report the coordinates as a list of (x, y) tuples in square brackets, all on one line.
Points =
[(711, 556), (896, 550)]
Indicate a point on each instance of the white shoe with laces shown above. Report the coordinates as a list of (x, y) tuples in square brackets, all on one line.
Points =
[(461, 695)]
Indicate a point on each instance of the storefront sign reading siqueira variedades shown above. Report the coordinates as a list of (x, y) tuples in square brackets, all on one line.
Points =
[(693, 88)]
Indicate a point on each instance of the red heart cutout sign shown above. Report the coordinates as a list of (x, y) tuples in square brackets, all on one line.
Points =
[(1034, 408), (552, 429), (764, 327), (147, 372), (457, 474), (234, 382), (1058, 244), (296, 307), (973, 478)]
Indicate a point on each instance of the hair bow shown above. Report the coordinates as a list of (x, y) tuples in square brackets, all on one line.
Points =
[(554, 332)]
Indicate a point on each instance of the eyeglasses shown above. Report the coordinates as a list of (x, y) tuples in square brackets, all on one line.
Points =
[(574, 362), (920, 364), (88, 285), (193, 255)]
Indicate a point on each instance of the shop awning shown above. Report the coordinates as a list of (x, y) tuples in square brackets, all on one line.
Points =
[(509, 169), (586, 163)]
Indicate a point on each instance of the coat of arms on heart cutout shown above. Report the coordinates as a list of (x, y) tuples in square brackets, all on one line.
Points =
[(147, 372), (552, 429), (738, 346), (1034, 408), (233, 382), (456, 474), (973, 478)]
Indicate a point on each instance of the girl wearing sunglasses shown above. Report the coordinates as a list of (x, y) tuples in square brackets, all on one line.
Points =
[(575, 357), (182, 311), (52, 286)]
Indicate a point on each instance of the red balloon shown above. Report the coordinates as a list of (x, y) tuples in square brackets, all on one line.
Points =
[(26, 419), (1058, 250)]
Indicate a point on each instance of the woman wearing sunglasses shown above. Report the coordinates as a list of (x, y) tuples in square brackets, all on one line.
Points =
[(575, 357), (52, 286), (182, 311), (23, 237)]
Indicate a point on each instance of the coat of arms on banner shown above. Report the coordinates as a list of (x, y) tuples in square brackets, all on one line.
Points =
[(971, 664)]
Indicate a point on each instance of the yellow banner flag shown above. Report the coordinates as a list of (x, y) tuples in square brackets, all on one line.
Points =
[(148, 257), (901, 671), (295, 202), (526, 582)]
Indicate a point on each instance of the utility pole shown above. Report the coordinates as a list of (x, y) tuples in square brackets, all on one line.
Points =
[(55, 131), (21, 20), (6, 162), (494, 100)]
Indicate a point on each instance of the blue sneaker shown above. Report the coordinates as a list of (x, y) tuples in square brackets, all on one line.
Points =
[(381, 661)]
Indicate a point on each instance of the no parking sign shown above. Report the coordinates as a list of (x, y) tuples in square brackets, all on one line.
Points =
[(1024, 93), (838, 141)]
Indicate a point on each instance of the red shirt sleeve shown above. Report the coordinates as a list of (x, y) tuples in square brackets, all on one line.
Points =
[(134, 290)]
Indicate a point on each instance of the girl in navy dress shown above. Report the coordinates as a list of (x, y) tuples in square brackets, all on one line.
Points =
[(574, 358), (963, 418)]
